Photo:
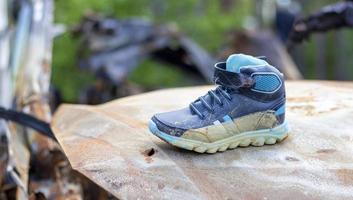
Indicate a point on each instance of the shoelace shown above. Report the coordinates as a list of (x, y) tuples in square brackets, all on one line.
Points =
[(214, 96)]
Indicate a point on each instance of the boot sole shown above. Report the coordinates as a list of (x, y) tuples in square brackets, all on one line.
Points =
[(255, 138)]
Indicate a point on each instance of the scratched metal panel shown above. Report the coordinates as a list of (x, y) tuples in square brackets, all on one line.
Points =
[(110, 144)]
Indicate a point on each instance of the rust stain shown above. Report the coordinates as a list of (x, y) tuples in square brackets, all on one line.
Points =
[(161, 186), (345, 176), (309, 109), (326, 151), (301, 99)]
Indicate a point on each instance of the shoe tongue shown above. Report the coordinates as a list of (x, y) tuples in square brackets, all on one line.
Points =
[(237, 61)]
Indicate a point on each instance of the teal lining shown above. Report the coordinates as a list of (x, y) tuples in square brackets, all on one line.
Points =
[(266, 82), (227, 118), (237, 61), (281, 110)]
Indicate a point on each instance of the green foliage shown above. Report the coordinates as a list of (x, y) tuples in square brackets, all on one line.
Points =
[(203, 21), (155, 75), (65, 75)]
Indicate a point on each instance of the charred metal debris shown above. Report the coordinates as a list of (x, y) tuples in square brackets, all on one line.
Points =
[(331, 17), (112, 48), (32, 164)]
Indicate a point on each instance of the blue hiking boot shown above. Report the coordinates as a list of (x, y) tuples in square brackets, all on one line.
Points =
[(247, 108)]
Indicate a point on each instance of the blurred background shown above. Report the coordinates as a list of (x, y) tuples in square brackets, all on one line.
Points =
[(92, 51), (214, 25)]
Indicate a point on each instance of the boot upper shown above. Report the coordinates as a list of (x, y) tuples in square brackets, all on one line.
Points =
[(246, 85)]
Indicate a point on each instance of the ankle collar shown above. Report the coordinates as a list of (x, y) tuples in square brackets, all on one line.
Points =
[(232, 79)]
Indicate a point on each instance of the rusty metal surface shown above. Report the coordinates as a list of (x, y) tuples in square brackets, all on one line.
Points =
[(111, 145)]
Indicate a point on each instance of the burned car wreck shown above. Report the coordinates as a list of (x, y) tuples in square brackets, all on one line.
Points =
[(112, 48)]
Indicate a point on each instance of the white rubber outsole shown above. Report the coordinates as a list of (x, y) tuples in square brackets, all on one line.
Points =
[(255, 138)]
